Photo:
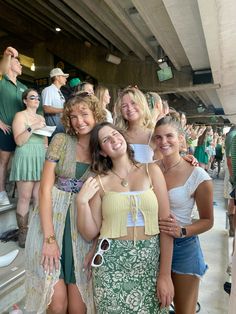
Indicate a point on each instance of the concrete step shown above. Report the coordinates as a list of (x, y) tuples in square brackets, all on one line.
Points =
[(12, 278), (8, 216)]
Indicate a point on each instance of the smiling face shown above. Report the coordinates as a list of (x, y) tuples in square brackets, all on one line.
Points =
[(130, 110), (167, 139), (112, 142), (82, 119)]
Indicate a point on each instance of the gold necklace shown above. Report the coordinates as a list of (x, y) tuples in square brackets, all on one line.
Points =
[(174, 165), (124, 182)]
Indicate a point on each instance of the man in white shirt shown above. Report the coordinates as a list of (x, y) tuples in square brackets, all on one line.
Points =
[(53, 99)]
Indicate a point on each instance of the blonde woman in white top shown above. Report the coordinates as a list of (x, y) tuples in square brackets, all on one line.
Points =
[(131, 114)]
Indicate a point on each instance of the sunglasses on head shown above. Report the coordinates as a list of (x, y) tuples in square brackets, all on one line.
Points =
[(98, 259), (32, 97)]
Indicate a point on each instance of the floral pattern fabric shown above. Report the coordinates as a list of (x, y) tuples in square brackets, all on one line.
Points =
[(126, 281)]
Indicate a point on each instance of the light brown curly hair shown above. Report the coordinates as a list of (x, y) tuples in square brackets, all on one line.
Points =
[(88, 99)]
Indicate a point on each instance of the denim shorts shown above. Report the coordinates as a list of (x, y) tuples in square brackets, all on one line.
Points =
[(187, 257)]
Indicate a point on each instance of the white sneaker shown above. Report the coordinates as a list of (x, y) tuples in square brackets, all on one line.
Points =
[(4, 200)]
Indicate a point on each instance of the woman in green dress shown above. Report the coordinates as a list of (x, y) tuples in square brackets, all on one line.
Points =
[(27, 163), (201, 149), (55, 251)]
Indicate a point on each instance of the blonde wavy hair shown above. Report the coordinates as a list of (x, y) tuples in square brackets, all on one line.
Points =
[(99, 92), (89, 100), (139, 98)]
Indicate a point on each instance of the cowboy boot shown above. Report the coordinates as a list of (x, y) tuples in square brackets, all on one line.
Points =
[(22, 222), (231, 225)]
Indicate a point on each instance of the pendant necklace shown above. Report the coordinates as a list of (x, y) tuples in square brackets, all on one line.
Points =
[(165, 170), (124, 182)]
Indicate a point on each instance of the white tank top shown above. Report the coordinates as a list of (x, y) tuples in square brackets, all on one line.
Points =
[(139, 219), (143, 153)]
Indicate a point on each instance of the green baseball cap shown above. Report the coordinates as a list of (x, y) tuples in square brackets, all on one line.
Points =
[(74, 82)]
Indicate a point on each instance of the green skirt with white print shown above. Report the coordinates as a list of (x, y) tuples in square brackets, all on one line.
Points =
[(126, 281)]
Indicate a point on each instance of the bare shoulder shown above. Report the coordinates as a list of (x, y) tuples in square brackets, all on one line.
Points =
[(102, 181), (187, 167), (154, 166), (20, 115)]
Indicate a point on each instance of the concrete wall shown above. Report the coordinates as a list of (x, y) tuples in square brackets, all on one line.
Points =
[(129, 71)]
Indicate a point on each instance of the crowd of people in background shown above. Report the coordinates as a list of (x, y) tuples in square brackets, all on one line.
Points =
[(113, 193)]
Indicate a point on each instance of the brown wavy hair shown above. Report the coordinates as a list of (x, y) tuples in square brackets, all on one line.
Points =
[(172, 120), (101, 164), (88, 99)]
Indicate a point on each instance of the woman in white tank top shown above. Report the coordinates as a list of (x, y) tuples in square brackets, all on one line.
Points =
[(186, 185), (131, 113)]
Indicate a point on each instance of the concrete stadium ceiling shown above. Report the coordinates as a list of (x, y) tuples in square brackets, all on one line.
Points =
[(195, 34)]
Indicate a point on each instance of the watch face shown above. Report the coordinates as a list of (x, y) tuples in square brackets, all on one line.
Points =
[(184, 231)]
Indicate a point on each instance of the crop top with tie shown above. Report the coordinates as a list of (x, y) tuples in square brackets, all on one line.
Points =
[(117, 206)]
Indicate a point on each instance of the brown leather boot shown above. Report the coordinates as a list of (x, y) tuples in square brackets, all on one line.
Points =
[(22, 222), (231, 225)]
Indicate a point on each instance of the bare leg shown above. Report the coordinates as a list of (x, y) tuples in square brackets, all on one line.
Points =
[(75, 302), (59, 299), (4, 160), (231, 214), (25, 190), (35, 193), (218, 167), (186, 293)]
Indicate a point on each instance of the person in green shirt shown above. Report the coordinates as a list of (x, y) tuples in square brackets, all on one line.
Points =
[(10, 103), (228, 154)]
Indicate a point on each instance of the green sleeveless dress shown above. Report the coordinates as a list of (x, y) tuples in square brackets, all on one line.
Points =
[(67, 260), (28, 160)]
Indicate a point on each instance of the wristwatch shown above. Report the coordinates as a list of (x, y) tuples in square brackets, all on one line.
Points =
[(183, 232), (29, 129), (51, 239)]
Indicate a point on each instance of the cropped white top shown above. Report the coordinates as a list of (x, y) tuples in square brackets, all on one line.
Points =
[(137, 221), (182, 197), (143, 153)]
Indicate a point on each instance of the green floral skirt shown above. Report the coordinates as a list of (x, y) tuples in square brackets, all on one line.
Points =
[(126, 281)]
